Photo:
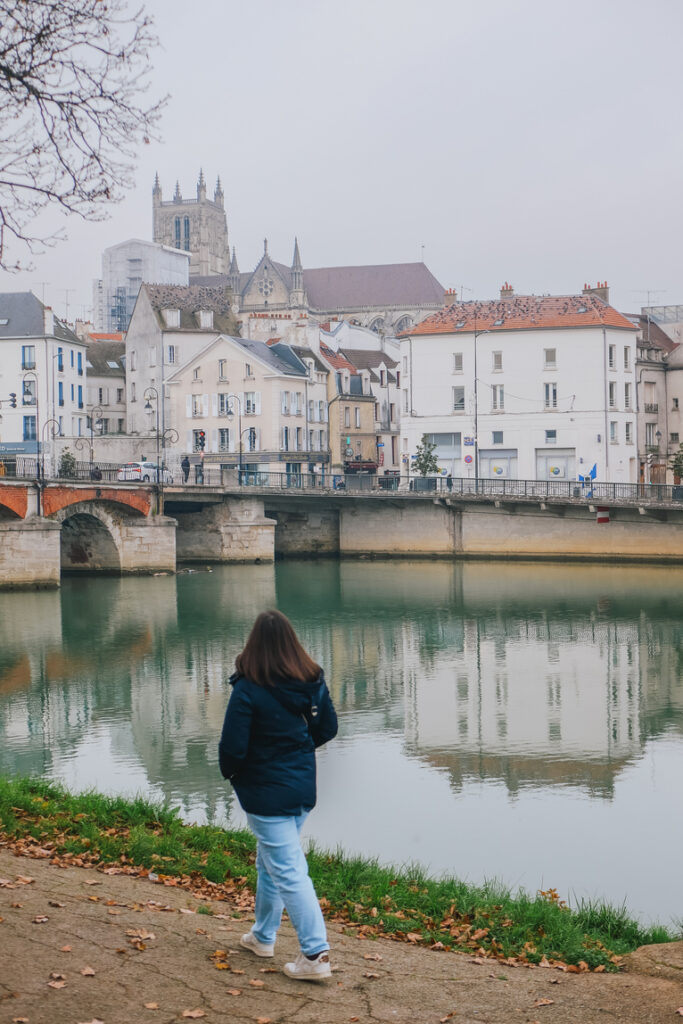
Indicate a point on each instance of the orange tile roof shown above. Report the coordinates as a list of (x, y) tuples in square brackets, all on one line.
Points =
[(116, 336), (522, 312), (336, 360)]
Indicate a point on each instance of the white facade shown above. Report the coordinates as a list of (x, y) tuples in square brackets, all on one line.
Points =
[(542, 403), (124, 269), (45, 369)]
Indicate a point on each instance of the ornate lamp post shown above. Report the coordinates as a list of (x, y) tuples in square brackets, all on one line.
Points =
[(32, 376), (230, 414), (169, 435)]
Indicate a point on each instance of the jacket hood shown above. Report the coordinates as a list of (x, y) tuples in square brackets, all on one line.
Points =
[(297, 692)]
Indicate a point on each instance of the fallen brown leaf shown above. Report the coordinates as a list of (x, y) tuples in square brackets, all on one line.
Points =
[(24, 880), (194, 1014), (679, 1011), (544, 1002), (16, 906), (140, 933), (41, 919), (65, 949), (88, 972), (234, 991), (257, 983), (268, 970), (264, 1020), (95, 1020), (55, 903), (371, 956), (442, 1020), (370, 974), (113, 912), (19, 1020), (151, 1006), (93, 881), (56, 976), (56, 984)]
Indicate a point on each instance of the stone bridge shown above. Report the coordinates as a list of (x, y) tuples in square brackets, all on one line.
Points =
[(55, 527)]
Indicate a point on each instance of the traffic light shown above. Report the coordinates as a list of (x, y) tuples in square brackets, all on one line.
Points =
[(201, 439), (13, 399)]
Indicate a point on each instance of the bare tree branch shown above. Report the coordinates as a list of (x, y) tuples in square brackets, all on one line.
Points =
[(72, 74)]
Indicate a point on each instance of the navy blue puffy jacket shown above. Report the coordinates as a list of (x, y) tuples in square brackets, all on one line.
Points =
[(267, 747)]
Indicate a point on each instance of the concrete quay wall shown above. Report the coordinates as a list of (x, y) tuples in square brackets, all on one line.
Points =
[(29, 553), (235, 530)]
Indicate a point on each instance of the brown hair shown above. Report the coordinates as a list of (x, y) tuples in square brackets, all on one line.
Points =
[(273, 652)]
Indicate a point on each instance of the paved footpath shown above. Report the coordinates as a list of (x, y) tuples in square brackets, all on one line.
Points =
[(81, 947)]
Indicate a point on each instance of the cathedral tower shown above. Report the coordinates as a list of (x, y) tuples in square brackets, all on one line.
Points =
[(198, 226)]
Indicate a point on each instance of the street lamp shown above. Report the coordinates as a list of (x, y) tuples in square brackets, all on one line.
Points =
[(151, 394), (53, 428), (230, 413), (477, 334), (31, 375)]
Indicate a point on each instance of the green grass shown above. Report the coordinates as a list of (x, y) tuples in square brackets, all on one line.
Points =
[(367, 897)]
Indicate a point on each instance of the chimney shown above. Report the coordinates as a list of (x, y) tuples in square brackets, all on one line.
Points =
[(507, 291), (450, 296), (601, 290), (48, 320)]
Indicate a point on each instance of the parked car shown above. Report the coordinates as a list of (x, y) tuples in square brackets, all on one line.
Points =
[(144, 472)]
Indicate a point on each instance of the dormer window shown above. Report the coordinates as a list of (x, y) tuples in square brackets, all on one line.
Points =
[(171, 317), (206, 318)]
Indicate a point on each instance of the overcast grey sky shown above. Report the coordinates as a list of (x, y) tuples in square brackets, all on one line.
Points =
[(538, 141)]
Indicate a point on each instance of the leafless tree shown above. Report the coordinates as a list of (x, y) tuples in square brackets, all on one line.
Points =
[(72, 77)]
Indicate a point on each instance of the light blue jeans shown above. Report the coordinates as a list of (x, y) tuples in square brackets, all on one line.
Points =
[(284, 883)]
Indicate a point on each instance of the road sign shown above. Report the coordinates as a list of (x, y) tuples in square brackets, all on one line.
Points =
[(468, 459)]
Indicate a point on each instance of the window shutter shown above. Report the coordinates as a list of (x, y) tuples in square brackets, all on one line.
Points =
[(214, 405), (257, 403), (190, 440), (188, 406), (214, 440), (205, 405), (257, 438)]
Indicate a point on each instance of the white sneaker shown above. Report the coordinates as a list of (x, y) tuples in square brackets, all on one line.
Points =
[(310, 970), (250, 942)]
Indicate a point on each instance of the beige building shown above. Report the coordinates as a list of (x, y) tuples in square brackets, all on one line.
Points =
[(106, 389), (353, 440), (244, 404)]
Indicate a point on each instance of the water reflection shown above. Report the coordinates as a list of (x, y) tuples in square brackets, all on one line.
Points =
[(533, 678)]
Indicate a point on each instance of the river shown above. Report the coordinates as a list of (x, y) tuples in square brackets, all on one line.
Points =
[(522, 722)]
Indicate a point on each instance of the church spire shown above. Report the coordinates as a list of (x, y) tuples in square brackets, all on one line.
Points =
[(297, 296), (201, 185), (218, 192), (265, 246), (156, 191), (177, 198), (234, 275)]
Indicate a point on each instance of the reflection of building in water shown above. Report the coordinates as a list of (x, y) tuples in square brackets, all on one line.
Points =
[(661, 661), (545, 700)]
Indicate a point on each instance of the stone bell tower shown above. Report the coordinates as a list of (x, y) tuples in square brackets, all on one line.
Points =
[(198, 226)]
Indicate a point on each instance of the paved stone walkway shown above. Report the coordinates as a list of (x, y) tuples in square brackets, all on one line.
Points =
[(78, 946)]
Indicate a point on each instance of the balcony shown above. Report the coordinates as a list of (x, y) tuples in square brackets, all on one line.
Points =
[(651, 407)]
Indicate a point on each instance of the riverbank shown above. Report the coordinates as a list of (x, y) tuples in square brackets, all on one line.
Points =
[(142, 840)]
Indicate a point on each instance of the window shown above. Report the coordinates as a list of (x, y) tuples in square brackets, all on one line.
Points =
[(223, 369), (322, 440), (448, 446), (197, 405), (627, 357), (458, 399), (223, 439), (347, 416), (392, 412), (357, 416), (251, 439), (73, 392), (196, 372), (250, 403), (549, 358), (133, 360), (674, 438), (613, 432), (119, 396), (321, 411), (285, 439), (119, 426), (497, 361), (186, 234), (612, 357), (60, 360), (497, 397), (171, 317), (457, 362), (311, 410), (629, 433), (152, 355), (612, 390), (60, 393), (248, 372), (28, 358), (172, 354), (551, 437), (284, 402), (299, 439), (381, 378), (627, 396), (176, 226), (405, 364), (223, 404), (29, 428), (398, 378), (28, 396), (80, 396), (79, 363), (71, 353), (550, 396), (674, 403), (651, 435), (497, 437), (405, 399)]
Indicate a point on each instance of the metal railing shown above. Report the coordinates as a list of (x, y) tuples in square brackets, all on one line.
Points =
[(216, 476)]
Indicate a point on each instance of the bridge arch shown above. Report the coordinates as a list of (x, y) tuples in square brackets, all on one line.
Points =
[(90, 539)]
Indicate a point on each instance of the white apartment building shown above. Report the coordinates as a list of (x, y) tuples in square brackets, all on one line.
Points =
[(43, 365), (527, 387), (245, 403)]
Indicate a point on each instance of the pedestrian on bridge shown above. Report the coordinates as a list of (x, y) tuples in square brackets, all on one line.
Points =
[(185, 466), (279, 712)]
